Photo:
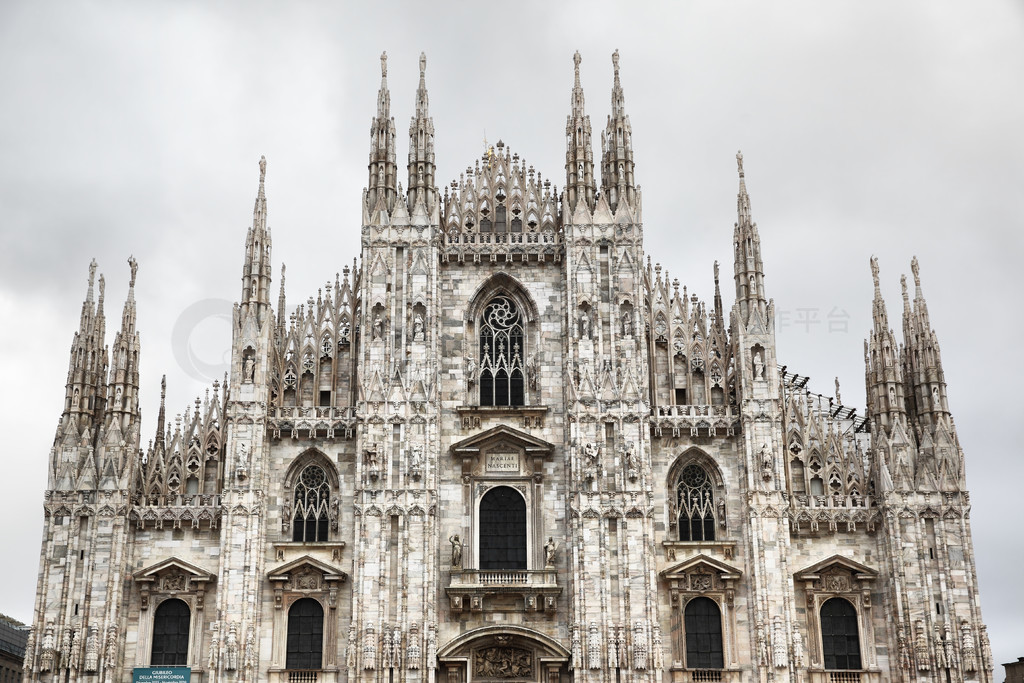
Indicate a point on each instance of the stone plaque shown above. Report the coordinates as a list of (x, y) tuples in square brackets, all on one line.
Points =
[(502, 462)]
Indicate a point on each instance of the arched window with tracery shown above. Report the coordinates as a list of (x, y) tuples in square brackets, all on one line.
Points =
[(695, 502), (305, 635), (840, 639), (502, 350), (312, 504), (702, 621), (170, 634)]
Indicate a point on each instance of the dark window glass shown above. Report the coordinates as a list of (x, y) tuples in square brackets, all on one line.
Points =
[(170, 634), (703, 624), (502, 529), (840, 641), (312, 504), (305, 635), (501, 354), (695, 500)]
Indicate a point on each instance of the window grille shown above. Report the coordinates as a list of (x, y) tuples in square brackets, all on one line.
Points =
[(305, 635), (502, 529), (170, 634), (703, 623), (840, 640)]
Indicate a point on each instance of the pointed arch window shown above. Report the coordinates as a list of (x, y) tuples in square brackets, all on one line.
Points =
[(695, 501), (703, 623), (502, 349), (311, 513), (170, 634), (502, 529), (840, 639), (305, 635)]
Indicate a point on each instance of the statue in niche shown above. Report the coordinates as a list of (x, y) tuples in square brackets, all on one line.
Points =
[(584, 325), (532, 371), (632, 460), (372, 460), (378, 327), (627, 325), (549, 552), (417, 327), (758, 365), (456, 551), (248, 369), (416, 460), (470, 369), (767, 462)]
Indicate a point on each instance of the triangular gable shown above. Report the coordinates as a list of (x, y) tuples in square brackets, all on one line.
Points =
[(815, 570), (195, 573), (531, 444), (725, 571), (329, 572)]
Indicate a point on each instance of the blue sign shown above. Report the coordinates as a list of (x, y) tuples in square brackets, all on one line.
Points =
[(161, 674)]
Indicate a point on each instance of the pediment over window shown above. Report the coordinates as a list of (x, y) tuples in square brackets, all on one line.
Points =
[(173, 567), (301, 571), (837, 564), (173, 576), (306, 577), (703, 565), (503, 450)]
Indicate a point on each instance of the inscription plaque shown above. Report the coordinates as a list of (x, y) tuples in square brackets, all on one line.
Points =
[(502, 462)]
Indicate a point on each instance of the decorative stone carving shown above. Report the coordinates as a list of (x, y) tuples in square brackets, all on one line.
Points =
[(593, 646), (250, 651), (639, 646), (614, 640), (369, 649), (967, 647), (904, 651), (549, 552), (940, 651), (632, 459), (456, 551), (758, 365), (412, 653), (213, 656), (416, 461), (502, 662), (763, 657), (76, 650), (767, 462), (576, 649), (372, 458), (657, 648), (417, 328), (175, 582), (387, 648), (431, 645), (584, 325), (92, 650), (779, 643), (231, 649), (986, 650), (49, 644), (798, 649), (65, 649), (921, 647)]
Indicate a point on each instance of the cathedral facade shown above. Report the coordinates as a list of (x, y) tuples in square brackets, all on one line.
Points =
[(503, 447)]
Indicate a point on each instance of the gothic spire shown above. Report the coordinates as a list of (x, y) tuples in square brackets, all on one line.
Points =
[(617, 148), (749, 270), (579, 154), (256, 274), (719, 321), (884, 377), (281, 316), (123, 387), (382, 180), (87, 368), (421, 146), (923, 361)]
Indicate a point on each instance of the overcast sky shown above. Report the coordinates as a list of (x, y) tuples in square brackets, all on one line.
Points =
[(867, 128)]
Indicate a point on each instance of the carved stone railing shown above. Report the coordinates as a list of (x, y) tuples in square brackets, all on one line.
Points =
[(694, 420), (304, 422), (680, 675), (303, 675), (538, 588), (505, 246), (846, 676), (174, 510), (835, 513)]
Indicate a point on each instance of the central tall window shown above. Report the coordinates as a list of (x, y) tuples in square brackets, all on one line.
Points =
[(501, 354), (696, 504), (305, 635), (502, 529), (170, 634), (311, 516), (703, 623)]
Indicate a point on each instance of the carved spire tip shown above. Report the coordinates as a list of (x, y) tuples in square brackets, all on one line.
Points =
[(384, 64), (134, 265)]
